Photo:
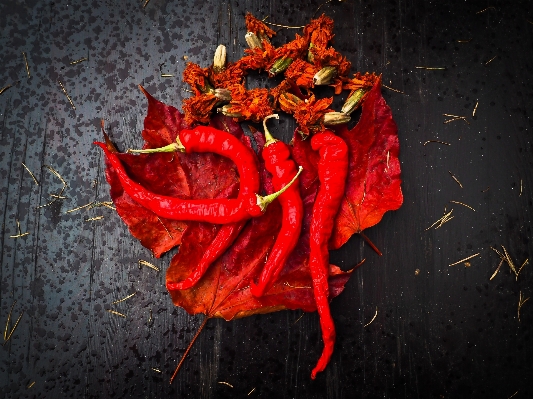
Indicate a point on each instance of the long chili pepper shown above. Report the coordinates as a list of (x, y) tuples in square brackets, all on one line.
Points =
[(332, 171), (226, 235), (277, 161), (228, 232), (209, 139), (216, 211)]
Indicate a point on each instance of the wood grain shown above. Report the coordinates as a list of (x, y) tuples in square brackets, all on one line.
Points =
[(446, 332)]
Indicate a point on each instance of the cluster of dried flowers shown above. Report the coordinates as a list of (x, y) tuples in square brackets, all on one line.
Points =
[(306, 62)]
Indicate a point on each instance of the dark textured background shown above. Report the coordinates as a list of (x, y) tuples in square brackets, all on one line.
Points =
[(447, 332)]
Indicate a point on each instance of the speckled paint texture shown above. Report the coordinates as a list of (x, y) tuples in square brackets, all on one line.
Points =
[(444, 332)]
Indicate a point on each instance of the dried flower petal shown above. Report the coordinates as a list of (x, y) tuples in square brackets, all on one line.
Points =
[(249, 104), (331, 57), (312, 111), (233, 74), (198, 108), (277, 91), (257, 26), (302, 73), (309, 114), (319, 31), (293, 49), (258, 58), (196, 77), (360, 81)]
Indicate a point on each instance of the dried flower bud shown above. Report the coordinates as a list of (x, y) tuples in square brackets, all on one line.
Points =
[(207, 89), (324, 76), (310, 55), (219, 60), (335, 118), (288, 102), (225, 111), (263, 37), (354, 100), (252, 40), (280, 65), (223, 94)]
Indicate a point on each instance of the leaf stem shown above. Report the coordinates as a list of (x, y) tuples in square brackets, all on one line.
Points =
[(178, 367), (372, 245)]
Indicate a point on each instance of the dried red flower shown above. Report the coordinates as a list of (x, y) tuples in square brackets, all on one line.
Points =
[(359, 81), (302, 73), (196, 77), (277, 91), (330, 57), (198, 108), (308, 113), (294, 49), (232, 74), (258, 58), (249, 104), (257, 26), (319, 31)]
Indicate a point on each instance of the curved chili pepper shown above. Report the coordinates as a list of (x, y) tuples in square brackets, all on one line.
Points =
[(332, 172), (209, 139), (277, 161), (216, 211), (224, 238), (193, 140)]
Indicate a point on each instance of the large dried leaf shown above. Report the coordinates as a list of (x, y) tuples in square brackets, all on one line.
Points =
[(176, 174), (373, 185)]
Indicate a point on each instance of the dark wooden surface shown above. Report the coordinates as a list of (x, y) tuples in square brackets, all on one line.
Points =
[(445, 332)]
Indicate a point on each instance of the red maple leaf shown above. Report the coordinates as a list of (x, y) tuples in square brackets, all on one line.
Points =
[(224, 291), (178, 175), (373, 185)]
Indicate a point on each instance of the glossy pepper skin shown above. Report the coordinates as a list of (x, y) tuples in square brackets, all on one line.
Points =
[(228, 232), (216, 211), (226, 235), (209, 139), (332, 172), (278, 162)]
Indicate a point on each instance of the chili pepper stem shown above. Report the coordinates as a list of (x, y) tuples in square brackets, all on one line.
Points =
[(262, 202), (269, 138), (173, 147)]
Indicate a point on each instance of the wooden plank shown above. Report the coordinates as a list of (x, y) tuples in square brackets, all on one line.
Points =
[(441, 331)]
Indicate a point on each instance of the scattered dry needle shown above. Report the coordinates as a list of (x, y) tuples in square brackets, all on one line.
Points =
[(521, 302), (373, 318), (464, 260), (445, 218), (148, 264)]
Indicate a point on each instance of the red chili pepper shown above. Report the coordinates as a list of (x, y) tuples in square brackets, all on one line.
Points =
[(228, 232), (332, 172), (224, 238), (216, 211), (277, 161)]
